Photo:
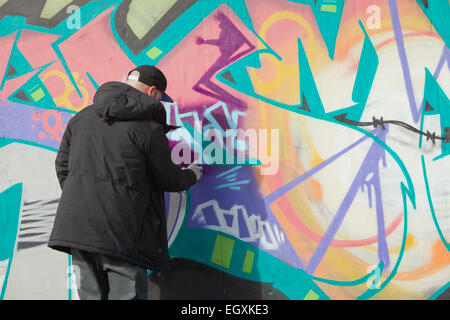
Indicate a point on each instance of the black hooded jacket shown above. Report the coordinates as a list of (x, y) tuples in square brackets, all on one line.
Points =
[(113, 165)]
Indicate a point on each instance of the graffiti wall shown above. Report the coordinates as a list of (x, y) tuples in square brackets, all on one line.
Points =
[(349, 193)]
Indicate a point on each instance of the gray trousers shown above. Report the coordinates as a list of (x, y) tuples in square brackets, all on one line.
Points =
[(102, 277)]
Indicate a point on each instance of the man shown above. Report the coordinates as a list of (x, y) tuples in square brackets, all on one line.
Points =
[(114, 165)]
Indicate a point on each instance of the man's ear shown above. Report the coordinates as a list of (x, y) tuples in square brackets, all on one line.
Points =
[(151, 90)]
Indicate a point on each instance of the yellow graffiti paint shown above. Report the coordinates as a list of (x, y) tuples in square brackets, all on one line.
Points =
[(52, 7), (141, 19), (63, 100), (283, 71)]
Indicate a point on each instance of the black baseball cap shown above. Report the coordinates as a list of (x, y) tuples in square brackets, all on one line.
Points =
[(151, 76)]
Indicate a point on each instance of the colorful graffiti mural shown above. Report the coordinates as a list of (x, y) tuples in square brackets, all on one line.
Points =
[(358, 207)]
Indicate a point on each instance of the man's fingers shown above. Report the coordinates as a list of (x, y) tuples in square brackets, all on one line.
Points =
[(197, 169)]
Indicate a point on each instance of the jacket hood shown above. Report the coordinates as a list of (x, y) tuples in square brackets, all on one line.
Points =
[(117, 101)]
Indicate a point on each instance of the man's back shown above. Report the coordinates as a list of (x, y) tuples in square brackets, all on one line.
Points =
[(110, 152), (114, 166)]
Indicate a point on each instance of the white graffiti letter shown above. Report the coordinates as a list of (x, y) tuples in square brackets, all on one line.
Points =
[(74, 20), (374, 20)]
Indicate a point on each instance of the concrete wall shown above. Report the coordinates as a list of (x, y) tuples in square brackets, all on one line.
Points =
[(353, 206)]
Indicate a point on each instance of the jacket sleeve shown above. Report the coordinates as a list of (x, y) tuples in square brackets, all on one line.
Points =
[(62, 158), (167, 175)]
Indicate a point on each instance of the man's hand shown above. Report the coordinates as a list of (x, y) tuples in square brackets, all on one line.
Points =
[(198, 170)]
